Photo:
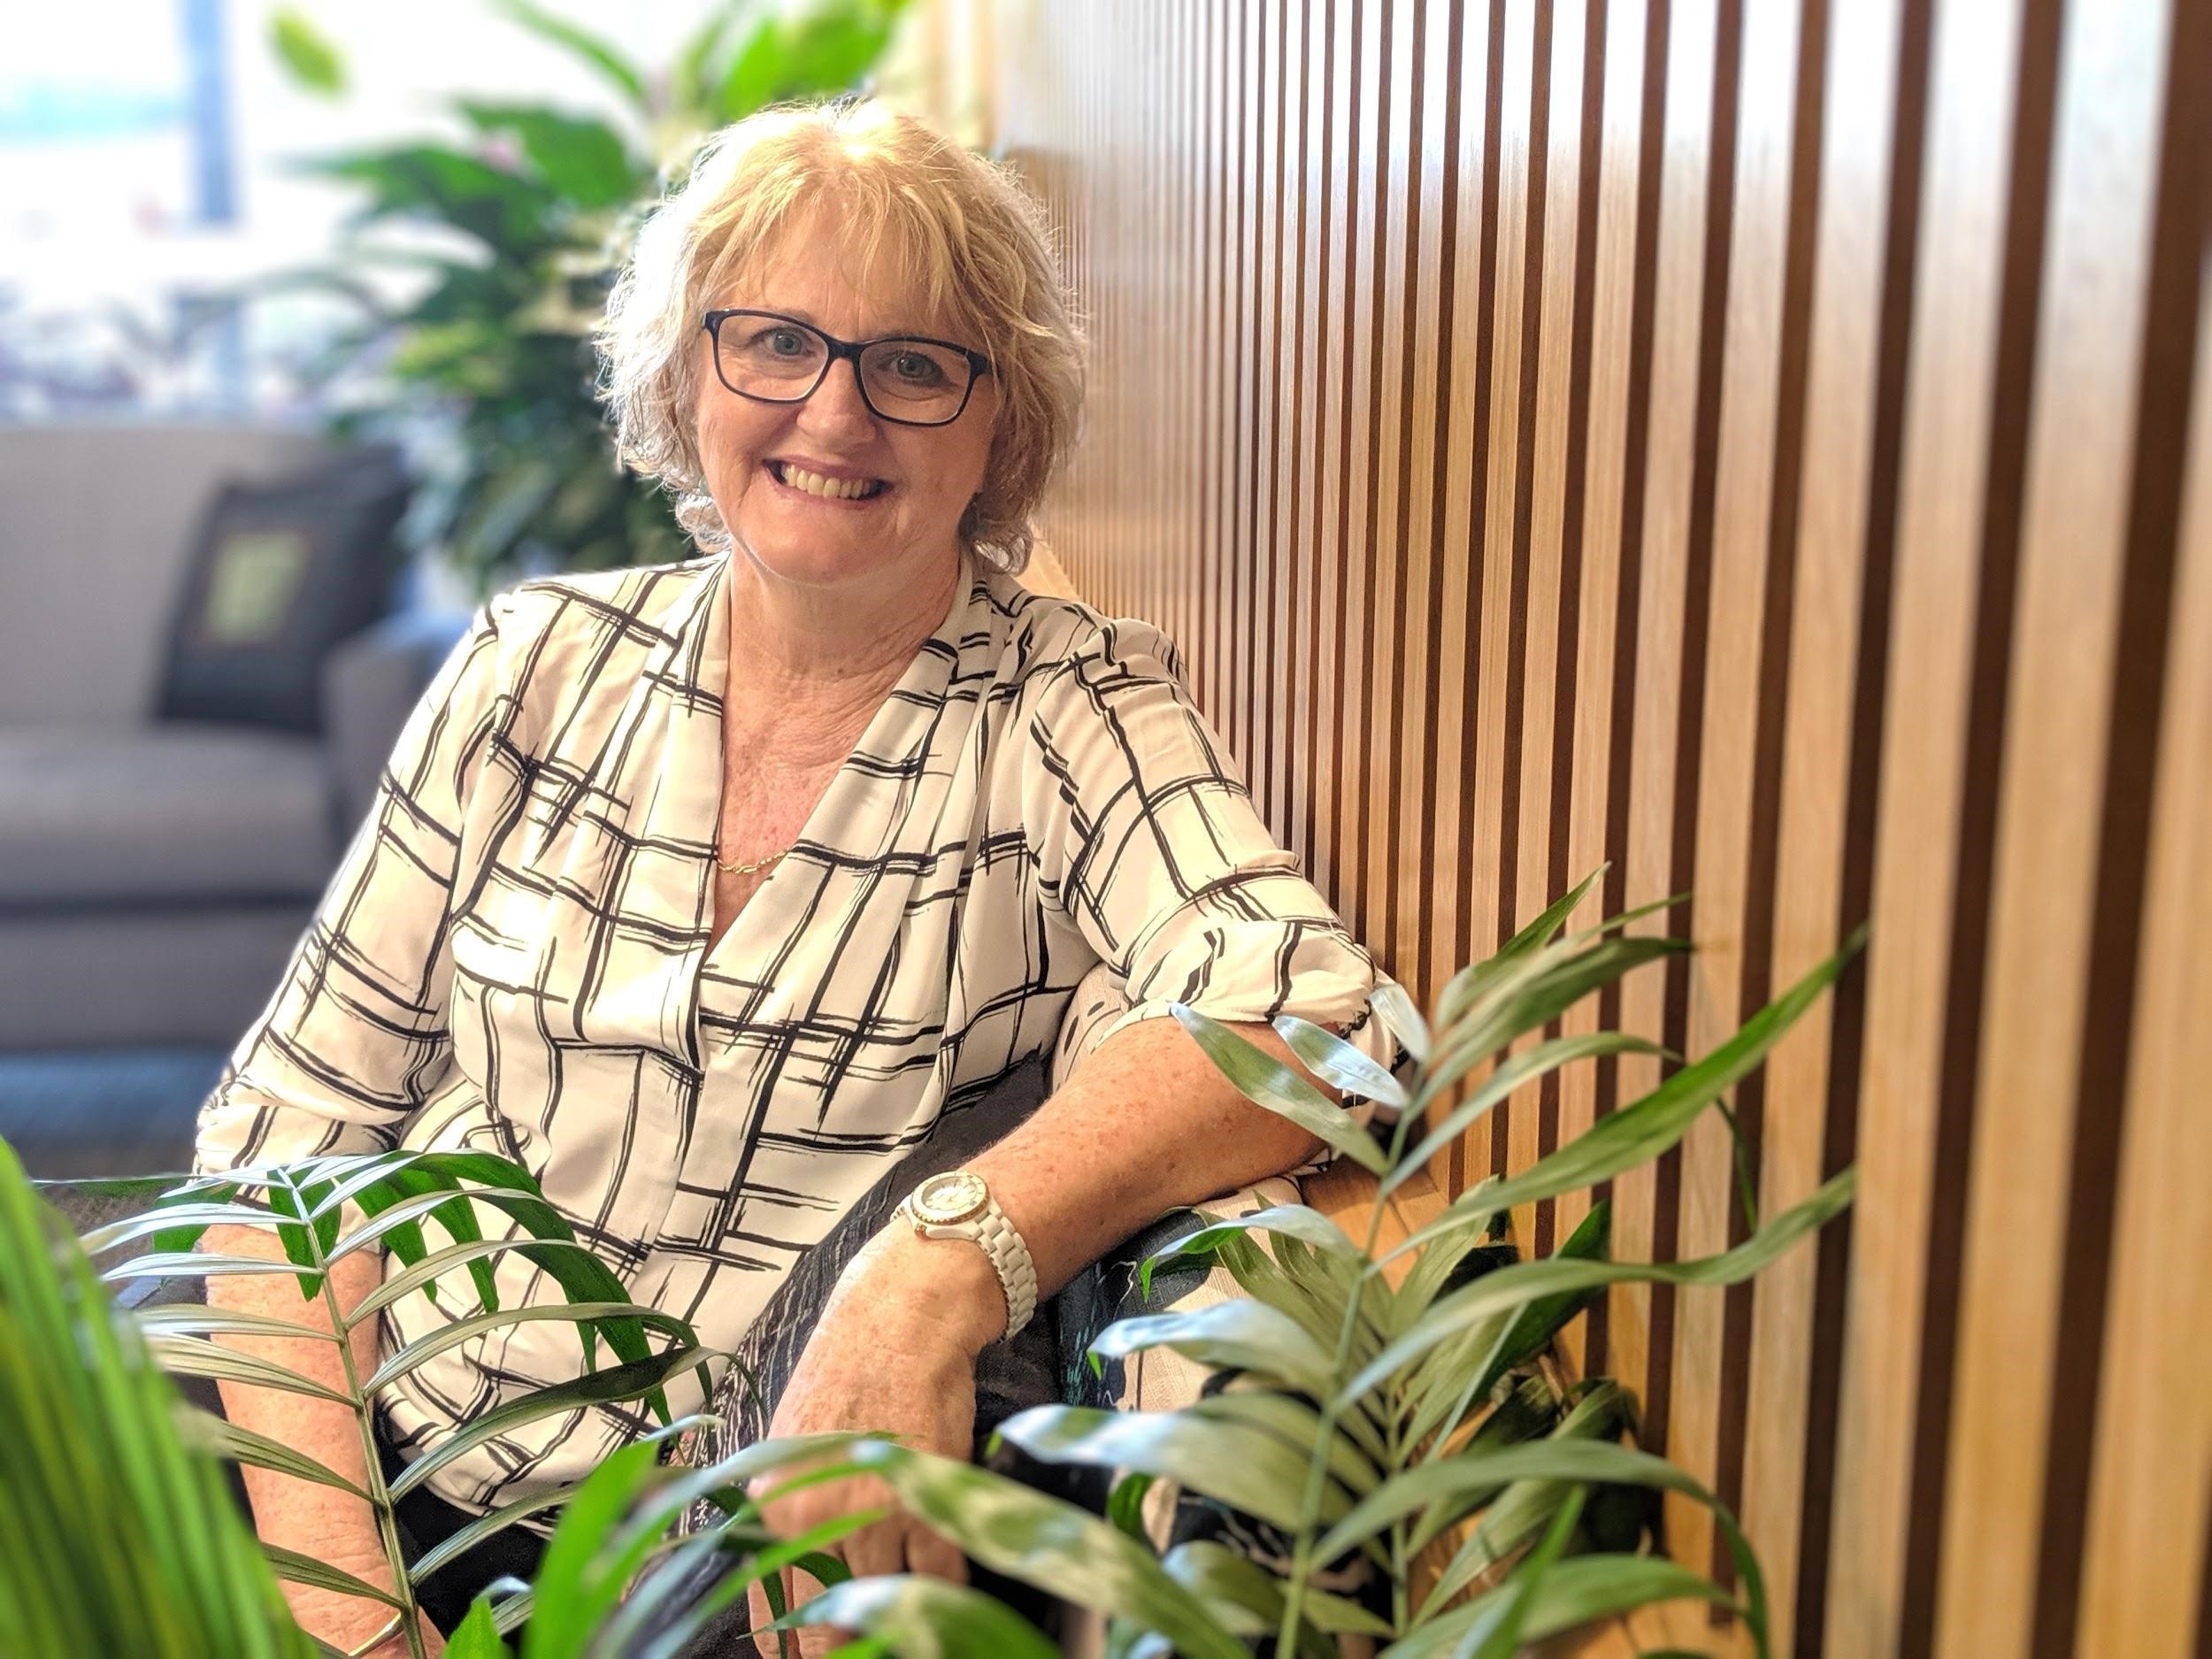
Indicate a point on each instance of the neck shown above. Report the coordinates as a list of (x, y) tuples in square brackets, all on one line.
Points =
[(822, 659)]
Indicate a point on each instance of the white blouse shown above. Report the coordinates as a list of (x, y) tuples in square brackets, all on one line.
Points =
[(513, 956)]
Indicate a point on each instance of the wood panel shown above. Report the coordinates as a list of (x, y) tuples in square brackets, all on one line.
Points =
[(1764, 446)]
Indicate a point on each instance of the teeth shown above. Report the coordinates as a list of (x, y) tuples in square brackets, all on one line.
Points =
[(835, 488)]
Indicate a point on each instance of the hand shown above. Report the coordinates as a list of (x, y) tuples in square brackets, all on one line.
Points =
[(895, 1354)]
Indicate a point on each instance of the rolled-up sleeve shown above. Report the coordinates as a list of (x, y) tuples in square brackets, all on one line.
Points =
[(1148, 843), (356, 1036)]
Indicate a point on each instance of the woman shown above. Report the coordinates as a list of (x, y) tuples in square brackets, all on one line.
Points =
[(708, 892)]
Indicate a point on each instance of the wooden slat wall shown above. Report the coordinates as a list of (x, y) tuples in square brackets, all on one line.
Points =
[(1766, 444)]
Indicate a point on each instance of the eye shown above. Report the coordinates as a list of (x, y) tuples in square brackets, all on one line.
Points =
[(917, 368), (786, 342)]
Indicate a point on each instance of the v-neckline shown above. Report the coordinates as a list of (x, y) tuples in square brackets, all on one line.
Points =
[(841, 819)]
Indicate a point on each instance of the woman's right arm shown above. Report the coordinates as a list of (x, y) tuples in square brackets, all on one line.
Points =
[(348, 1049)]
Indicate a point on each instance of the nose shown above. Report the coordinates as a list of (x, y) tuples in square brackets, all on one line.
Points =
[(837, 408)]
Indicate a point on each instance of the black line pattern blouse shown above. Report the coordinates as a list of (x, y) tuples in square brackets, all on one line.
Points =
[(513, 956)]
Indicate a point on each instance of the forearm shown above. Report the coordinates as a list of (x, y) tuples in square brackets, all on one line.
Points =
[(1147, 1124), (314, 1519)]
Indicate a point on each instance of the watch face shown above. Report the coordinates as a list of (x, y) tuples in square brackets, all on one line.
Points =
[(942, 1200)]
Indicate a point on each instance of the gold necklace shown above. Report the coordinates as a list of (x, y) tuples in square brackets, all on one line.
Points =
[(736, 868)]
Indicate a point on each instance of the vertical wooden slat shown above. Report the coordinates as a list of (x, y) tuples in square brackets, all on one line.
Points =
[(1333, 367), (1393, 73), (1972, 67), (1540, 501), (1640, 1320), (1259, 623), (1306, 373), (2146, 1554), (1734, 599), (1406, 848), (1837, 450), (1364, 208), (1495, 658), (1456, 860), (1623, 169), (2041, 935)]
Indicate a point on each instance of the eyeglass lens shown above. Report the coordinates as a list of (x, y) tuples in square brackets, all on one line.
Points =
[(782, 362)]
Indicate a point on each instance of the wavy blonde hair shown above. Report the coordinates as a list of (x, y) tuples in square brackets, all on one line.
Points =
[(964, 224)]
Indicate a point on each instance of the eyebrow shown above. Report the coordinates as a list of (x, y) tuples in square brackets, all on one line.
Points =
[(801, 314)]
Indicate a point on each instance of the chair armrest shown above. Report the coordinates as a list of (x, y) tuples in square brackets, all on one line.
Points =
[(371, 684)]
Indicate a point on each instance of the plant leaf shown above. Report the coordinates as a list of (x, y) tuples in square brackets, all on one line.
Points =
[(1532, 1281), (290, 1564), (1296, 1220), (1503, 1638), (926, 1618), (1266, 1081), (1577, 1590), (1403, 1018), (191, 1318), (460, 1331), (195, 1356), (477, 1636), (306, 53), (1247, 1335), (631, 1382), (1517, 1071), (1248, 1595), (1334, 1061), (1224, 1459), (1049, 1543), (208, 1433), (1637, 1133)]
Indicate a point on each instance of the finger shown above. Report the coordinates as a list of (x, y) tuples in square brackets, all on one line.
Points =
[(769, 1644), (926, 1552), (757, 1616), (873, 1550), (815, 1641)]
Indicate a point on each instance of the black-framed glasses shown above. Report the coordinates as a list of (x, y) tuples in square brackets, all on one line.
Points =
[(908, 378)]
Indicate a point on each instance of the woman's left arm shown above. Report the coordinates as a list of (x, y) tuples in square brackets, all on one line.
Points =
[(1145, 1125)]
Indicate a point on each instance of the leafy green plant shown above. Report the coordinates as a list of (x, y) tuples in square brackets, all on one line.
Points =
[(536, 215), (1374, 1422), (115, 1537), (322, 1211)]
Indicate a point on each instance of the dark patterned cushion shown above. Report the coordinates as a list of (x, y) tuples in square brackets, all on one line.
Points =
[(282, 574)]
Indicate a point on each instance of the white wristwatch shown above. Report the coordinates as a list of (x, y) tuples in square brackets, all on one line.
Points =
[(958, 1205)]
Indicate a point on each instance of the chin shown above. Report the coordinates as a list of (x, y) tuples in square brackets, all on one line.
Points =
[(818, 563)]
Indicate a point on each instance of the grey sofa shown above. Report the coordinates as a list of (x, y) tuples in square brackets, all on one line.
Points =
[(154, 877)]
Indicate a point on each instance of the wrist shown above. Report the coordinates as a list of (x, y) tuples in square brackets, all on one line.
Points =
[(942, 1286)]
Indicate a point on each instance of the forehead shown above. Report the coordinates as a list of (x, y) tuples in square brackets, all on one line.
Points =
[(824, 269)]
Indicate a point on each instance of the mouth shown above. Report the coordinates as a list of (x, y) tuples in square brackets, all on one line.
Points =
[(844, 492)]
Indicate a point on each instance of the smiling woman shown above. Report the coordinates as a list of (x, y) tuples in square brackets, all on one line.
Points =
[(709, 892), (806, 216)]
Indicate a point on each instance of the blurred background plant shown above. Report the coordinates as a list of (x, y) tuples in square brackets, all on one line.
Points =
[(487, 370)]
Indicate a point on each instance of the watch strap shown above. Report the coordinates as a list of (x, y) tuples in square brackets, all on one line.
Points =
[(995, 1236)]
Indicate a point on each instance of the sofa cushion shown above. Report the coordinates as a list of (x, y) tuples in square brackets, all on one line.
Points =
[(92, 817), (282, 573)]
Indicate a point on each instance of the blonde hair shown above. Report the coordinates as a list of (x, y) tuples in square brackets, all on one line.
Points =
[(979, 239)]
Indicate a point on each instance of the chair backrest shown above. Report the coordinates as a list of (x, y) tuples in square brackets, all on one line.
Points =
[(95, 525)]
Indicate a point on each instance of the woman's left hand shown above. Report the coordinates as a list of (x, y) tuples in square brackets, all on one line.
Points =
[(893, 1353)]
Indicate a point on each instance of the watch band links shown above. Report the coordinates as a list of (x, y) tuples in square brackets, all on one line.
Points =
[(1016, 1272)]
